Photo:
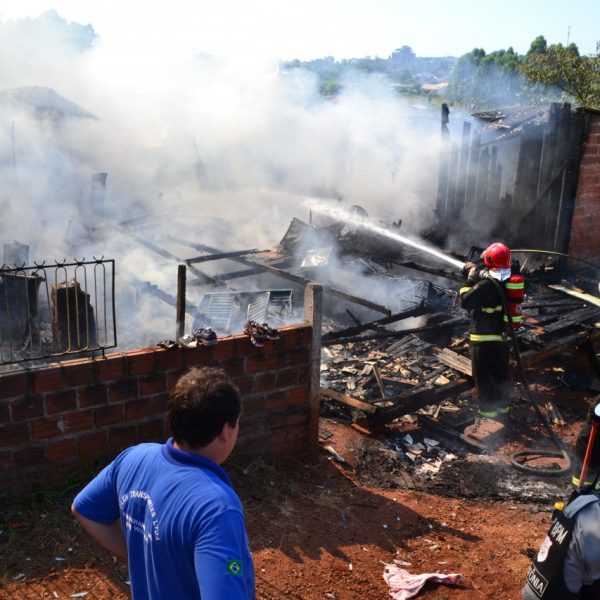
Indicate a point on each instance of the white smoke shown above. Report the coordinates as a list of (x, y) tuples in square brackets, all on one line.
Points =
[(216, 151)]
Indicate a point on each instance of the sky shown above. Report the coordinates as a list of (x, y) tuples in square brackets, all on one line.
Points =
[(284, 30)]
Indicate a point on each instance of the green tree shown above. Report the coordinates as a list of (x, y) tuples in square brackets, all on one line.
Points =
[(564, 68)]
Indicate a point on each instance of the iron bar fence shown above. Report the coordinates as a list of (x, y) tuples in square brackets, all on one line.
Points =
[(57, 310)]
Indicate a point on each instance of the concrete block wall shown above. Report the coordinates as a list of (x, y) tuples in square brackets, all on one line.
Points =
[(585, 241), (74, 416)]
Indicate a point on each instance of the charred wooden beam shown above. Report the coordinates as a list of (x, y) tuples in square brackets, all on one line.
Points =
[(417, 311), (349, 400), (454, 322), (296, 279), (220, 255), (149, 288), (534, 357), (416, 399), (166, 254), (446, 431)]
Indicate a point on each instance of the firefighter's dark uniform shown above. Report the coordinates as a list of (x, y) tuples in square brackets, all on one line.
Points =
[(489, 347)]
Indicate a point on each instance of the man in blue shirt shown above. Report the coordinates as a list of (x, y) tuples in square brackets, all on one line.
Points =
[(170, 509)]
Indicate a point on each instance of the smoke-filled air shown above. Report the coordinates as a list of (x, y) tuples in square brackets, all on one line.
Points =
[(215, 151)]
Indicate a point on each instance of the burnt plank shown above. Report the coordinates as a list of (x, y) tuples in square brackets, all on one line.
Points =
[(455, 360), (354, 402), (416, 399)]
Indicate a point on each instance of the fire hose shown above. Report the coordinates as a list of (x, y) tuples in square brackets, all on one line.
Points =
[(525, 455)]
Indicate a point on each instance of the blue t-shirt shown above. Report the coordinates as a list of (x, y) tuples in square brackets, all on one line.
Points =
[(184, 524)]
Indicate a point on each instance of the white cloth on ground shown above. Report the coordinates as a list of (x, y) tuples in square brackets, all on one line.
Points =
[(404, 585)]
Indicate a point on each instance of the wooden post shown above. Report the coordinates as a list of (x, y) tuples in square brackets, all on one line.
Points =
[(313, 314), (462, 174), (474, 156), (181, 292)]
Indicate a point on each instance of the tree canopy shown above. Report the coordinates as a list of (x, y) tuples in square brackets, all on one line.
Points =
[(546, 72), (563, 67)]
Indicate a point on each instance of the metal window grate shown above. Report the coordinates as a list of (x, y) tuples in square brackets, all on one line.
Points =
[(56, 310)]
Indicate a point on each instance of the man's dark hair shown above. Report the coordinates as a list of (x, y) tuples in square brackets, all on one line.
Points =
[(200, 404)]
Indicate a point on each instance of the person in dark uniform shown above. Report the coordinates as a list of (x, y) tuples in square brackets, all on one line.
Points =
[(567, 566), (486, 301)]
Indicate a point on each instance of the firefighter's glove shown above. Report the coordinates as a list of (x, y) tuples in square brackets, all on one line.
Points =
[(485, 274), (467, 268), (474, 274)]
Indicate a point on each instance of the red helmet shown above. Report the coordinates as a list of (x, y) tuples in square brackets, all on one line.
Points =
[(496, 256)]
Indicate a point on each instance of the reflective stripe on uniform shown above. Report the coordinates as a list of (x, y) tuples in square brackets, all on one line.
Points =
[(504, 410), (515, 286), (489, 337), (490, 310), (489, 414), (464, 290), (575, 480), (515, 319)]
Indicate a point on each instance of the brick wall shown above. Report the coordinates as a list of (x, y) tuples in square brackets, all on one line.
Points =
[(76, 415), (585, 241)]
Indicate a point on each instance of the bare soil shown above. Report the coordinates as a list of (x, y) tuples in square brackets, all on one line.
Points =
[(325, 529)]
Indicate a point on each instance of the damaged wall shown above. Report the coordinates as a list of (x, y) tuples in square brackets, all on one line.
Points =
[(75, 416), (585, 242)]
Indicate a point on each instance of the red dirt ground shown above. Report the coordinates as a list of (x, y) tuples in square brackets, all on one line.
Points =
[(316, 532)]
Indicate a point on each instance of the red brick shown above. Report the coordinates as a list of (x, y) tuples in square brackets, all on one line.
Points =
[(244, 384), (48, 379), (14, 434), (276, 448), (79, 372), (265, 382), (299, 356), (61, 401), (297, 338), (194, 357), (297, 442), (173, 378), (62, 450), (111, 368), (253, 405), (169, 360), (80, 420), (260, 362), (93, 395), (123, 390), (109, 415), (6, 461), (146, 407), (234, 366), (275, 401), (303, 375), (287, 378), (288, 419), (4, 412), (93, 444), (14, 385), (153, 384), (27, 408), (122, 437), (226, 348), (29, 457), (152, 431), (42, 429), (298, 396), (140, 362)]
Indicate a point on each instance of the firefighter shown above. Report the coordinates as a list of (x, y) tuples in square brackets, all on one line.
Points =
[(567, 566), (485, 300)]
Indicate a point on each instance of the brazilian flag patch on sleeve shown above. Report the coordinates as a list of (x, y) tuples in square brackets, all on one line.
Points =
[(234, 567)]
